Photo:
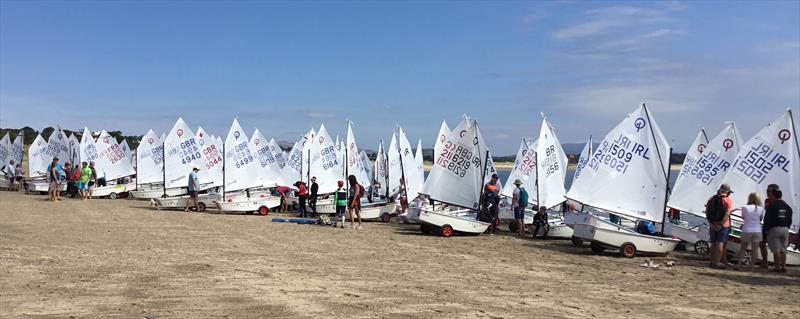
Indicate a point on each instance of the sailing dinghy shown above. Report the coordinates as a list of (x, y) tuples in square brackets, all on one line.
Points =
[(634, 157), (113, 165), (150, 169)]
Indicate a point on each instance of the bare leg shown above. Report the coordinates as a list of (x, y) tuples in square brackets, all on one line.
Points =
[(764, 253), (358, 214), (350, 217), (754, 257), (739, 255)]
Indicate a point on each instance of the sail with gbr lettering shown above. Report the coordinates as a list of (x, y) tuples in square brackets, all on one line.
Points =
[(269, 170), (455, 177), (17, 149), (241, 162), (552, 168), (291, 171), (182, 152), (627, 173), (772, 156), (277, 152), (149, 155), (111, 162), (5, 150), (211, 174), (524, 169), (38, 158), (325, 162), (586, 153)]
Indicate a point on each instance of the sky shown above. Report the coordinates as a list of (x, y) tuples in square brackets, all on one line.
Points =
[(285, 67)]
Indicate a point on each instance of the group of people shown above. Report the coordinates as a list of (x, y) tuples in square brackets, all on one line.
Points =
[(79, 180), (776, 215), (13, 174)]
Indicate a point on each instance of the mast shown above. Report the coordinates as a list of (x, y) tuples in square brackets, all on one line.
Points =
[(665, 171), (538, 199), (223, 172), (385, 168), (666, 193), (135, 154), (485, 165), (163, 167)]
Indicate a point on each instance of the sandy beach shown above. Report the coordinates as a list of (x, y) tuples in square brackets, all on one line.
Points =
[(117, 258)]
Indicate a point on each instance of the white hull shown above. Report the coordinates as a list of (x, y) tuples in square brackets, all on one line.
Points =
[(180, 202), (619, 237), (158, 192), (689, 235), (42, 186), (4, 183), (249, 204), (375, 210), (107, 191), (792, 254), (463, 221), (560, 230)]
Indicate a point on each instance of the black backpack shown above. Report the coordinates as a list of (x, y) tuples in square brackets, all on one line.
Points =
[(715, 209)]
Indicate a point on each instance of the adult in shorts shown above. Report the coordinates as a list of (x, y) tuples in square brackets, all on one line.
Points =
[(194, 187), (354, 194), (763, 244), (777, 220), (83, 182), (10, 172), (54, 179), (519, 210), (752, 214), (92, 179), (720, 229)]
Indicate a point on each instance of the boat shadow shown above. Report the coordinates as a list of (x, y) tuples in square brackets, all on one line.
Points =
[(755, 278)]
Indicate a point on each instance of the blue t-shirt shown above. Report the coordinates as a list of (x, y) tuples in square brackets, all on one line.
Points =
[(193, 178), (59, 170)]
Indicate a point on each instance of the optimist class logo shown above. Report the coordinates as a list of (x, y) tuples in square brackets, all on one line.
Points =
[(321, 139), (150, 140), (784, 135), (701, 148), (639, 124), (236, 135), (179, 132), (727, 144), (258, 141), (105, 140), (441, 138)]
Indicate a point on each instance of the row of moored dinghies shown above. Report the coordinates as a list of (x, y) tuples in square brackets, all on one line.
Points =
[(633, 157)]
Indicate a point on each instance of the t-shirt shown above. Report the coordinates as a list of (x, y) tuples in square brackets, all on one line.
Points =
[(728, 203), (515, 198), (314, 189), (86, 173), (9, 170), (778, 214), (193, 179), (282, 189), (302, 189), (59, 172), (752, 215), (492, 192)]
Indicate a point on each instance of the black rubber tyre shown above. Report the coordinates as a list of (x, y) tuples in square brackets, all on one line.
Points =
[(577, 241), (596, 247), (201, 207)]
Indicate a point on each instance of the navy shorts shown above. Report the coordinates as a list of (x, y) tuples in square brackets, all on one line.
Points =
[(719, 236), (519, 212)]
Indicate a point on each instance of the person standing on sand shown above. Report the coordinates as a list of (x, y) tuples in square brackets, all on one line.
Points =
[(312, 197), (302, 195), (19, 178), (752, 214), (355, 192), (92, 179), (83, 182), (54, 179), (194, 187), (718, 214), (10, 172), (763, 244), (777, 220), (492, 197), (340, 200), (518, 206)]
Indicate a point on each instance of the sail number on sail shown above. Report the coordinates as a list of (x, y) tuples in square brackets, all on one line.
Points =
[(265, 156), (156, 154), (187, 150), (528, 162), (114, 153), (618, 154), (706, 168), (759, 161), (90, 153), (241, 154), (211, 156), (457, 158), (328, 156), (550, 161)]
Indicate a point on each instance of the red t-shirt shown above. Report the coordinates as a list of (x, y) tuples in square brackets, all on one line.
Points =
[(302, 189), (728, 203)]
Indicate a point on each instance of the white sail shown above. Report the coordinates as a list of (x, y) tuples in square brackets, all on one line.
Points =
[(586, 153), (5, 150), (354, 164), (703, 169), (524, 169), (127, 150), (88, 149), (444, 130), (211, 151), (149, 155), (291, 171), (241, 162), (395, 171), (325, 162), (772, 156), (277, 152), (182, 152), (414, 181), (268, 170), (38, 158), (74, 146), (306, 155), (455, 177), (627, 173), (16, 148), (367, 166), (59, 145), (420, 161), (551, 168), (111, 162), (382, 169)]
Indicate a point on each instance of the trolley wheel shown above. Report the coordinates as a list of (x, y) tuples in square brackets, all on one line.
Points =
[(447, 231), (263, 210), (701, 247), (577, 241), (385, 217), (747, 257), (426, 230), (201, 207), (628, 250), (596, 247), (512, 226), (124, 195), (112, 195)]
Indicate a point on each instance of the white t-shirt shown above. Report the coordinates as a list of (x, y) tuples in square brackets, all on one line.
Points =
[(752, 216), (10, 171), (515, 198)]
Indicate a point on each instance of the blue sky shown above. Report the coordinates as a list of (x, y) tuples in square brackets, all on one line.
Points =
[(285, 67)]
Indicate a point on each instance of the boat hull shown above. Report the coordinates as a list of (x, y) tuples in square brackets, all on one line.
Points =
[(155, 193), (689, 235), (369, 211), (792, 253), (244, 205), (179, 202), (112, 190), (621, 237), (459, 221)]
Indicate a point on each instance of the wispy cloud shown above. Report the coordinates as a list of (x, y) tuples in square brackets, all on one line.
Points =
[(600, 21), (319, 115)]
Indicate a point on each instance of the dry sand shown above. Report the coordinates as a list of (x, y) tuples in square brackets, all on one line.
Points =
[(104, 258)]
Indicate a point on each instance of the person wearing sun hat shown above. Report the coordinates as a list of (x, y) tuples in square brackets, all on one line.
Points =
[(718, 214), (518, 206), (194, 187)]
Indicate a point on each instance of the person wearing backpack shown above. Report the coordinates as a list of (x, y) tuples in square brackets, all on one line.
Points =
[(718, 214), (519, 200)]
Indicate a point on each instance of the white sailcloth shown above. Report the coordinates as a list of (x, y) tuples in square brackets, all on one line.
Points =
[(127, 150), (703, 169), (269, 171), (455, 178), (58, 145), (38, 158), (16, 148), (325, 162), (382, 169), (111, 162), (149, 155), (444, 130), (277, 152), (354, 164), (74, 146), (241, 163), (634, 158), (772, 156), (395, 171), (211, 150), (586, 153), (88, 149), (365, 163), (418, 158), (291, 171), (5, 150), (414, 181), (182, 152), (306, 164), (551, 167), (524, 170)]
